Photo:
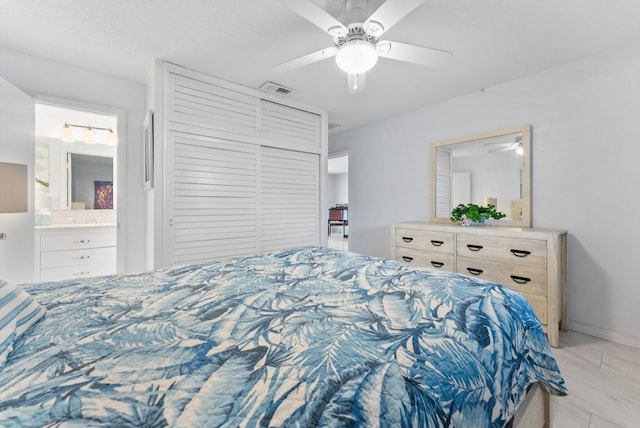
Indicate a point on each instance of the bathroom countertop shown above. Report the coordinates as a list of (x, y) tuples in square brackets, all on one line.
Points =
[(73, 225)]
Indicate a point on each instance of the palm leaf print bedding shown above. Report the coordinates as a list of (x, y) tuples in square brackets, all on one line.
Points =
[(305, 337)]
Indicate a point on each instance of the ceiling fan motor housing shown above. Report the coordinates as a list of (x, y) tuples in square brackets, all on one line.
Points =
[(356, 32)]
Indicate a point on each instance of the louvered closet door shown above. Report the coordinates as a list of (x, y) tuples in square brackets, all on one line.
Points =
[(213, 189), (289, 199)]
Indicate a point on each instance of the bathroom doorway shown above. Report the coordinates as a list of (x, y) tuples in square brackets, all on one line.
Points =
[(338, 201), (78, 180)]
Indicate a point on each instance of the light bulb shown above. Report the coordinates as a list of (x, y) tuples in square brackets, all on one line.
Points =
[(67, 134), (89, 135), (357, 57), (112, 139)]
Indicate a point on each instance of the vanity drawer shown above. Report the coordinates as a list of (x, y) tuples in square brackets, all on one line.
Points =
[(521, 278), (51, 259), (511, 250), (438, 242), (77, 240), (428, 259), (71, 272)]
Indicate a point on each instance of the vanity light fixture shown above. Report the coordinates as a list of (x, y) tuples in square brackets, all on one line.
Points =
[(89, 133)]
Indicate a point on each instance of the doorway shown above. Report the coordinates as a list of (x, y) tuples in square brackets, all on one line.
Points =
[(338, 201), (77, 174)]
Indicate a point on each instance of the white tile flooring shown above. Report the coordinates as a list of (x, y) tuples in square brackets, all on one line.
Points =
[(337, 242), (603, 379)]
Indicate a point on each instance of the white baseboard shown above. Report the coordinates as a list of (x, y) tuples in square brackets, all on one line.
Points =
[(605, 334)]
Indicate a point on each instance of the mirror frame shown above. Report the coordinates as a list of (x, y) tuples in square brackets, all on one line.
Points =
[(526, 172)]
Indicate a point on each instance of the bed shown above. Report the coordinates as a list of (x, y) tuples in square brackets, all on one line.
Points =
[(303, 337)]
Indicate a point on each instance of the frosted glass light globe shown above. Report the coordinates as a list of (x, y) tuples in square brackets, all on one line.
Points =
[(357, 57)]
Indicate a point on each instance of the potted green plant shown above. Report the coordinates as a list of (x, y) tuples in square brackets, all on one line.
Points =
[(472, 213)]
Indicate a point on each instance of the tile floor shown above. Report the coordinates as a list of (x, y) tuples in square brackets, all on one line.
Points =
[(337, 242), (603, 379)]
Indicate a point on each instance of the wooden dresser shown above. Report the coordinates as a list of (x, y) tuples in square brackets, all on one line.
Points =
[(531, 261)]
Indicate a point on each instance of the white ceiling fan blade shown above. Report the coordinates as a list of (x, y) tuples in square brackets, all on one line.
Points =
[(356, 83), (316, 15), (306, 60), (429, 57), (388, 14), (503, 149)]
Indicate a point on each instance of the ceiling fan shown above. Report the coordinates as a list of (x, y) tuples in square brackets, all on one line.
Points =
[(357, 45), (506, 146)]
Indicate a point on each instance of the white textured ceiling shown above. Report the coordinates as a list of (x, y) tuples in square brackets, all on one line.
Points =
[(492, 41)]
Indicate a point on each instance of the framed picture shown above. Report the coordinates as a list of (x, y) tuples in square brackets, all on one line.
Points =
[(103, 196), (148, 150)]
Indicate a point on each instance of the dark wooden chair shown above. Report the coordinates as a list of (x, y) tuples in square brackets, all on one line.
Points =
[(339, 217)]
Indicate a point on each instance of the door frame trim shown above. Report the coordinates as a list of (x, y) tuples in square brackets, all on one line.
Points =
[(121, 248)]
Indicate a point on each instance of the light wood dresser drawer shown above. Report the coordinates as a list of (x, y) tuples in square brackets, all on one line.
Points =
[(438, 242), (425, 258), (522, 278), (539, 305), (532, 262), (507, 249)]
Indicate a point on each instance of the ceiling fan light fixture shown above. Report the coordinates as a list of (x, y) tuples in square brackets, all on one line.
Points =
[(357, 57)]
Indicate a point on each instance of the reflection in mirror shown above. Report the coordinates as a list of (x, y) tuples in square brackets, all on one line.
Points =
[(90, 181), (56, 173), (490, 168)]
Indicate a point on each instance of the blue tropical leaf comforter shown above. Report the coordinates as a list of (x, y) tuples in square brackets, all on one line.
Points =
[(305, 337)]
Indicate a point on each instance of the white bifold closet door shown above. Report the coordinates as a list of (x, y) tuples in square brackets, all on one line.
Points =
[(288, 210), (241, 172), (213, 188), (232, 198)]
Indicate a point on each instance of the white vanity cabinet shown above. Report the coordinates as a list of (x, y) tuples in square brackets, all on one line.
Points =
[(531, 261), (75, 251)]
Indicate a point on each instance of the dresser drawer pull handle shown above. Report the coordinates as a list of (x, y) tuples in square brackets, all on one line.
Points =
[(81, 257), (474, 247), (436, 243), (81, 273), (407, 239), (437, 264), (407, 258), (520, 253), (82, 241), (474, 271), (520, 279)]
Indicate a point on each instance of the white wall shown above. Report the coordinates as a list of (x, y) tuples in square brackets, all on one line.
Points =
[(338, 189), (496, 176), (40, 77), (585, 175)]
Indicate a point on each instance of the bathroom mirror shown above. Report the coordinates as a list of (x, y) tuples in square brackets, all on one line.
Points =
[(69, 172), (488, 168), (89, 181)]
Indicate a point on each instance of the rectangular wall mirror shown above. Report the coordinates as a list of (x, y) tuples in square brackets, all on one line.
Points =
[(489, 168)]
